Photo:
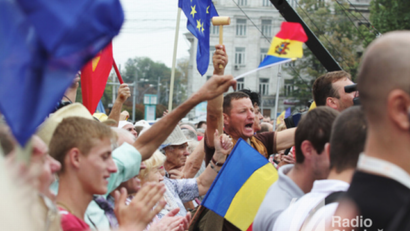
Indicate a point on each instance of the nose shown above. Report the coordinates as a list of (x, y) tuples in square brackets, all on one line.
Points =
[(134, 133), (160, 177), (251, 114), (112, 167), (186, 153), (55, 166)]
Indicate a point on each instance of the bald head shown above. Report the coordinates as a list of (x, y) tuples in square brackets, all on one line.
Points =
[(385, 67)]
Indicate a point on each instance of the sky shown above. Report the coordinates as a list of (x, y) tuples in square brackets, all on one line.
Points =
[(149, 31)]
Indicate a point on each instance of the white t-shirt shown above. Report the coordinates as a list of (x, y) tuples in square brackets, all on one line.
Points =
[(294, 216)]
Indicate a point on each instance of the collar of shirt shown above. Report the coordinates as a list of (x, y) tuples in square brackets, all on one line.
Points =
[(383, 168), (329, 186)]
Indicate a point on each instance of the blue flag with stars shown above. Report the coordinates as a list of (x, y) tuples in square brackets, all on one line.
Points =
[(199, 14)]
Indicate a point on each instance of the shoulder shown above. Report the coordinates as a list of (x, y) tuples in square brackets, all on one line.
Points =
[(69, 222)]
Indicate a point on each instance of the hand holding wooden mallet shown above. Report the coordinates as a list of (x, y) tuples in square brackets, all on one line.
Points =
[(221, 21)]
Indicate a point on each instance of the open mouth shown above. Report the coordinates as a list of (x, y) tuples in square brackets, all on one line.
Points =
[(249, 125)]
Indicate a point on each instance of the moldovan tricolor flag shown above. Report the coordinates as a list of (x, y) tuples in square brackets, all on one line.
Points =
[(241, 185), (286, 45), (94, 76)]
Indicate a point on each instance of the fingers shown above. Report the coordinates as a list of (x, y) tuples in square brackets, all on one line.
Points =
[(123, 196), (173, 212)]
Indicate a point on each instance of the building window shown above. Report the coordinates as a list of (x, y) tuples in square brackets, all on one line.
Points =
[(264, 52), (241, 27), (211, 53), (266, 3), (288, 87), (242, 2), (240, 84), (264, 86), (267, 27), (240, 56), (290, 64), (214, 30)]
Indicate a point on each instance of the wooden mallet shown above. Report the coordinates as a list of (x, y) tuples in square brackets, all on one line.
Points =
[(221, 21)]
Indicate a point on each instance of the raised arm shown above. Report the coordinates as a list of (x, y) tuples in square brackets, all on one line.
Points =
[(123, 94), (150, 140), (214, 119), (194, 161), (223, 146), (285, 139)]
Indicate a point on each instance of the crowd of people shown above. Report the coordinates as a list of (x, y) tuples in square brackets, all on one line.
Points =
[(346, 167)]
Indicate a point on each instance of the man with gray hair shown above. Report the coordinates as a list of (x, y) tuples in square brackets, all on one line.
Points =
[(175, 148)]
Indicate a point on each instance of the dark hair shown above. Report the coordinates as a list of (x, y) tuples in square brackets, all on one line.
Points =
[(322, 87), (315, 126), (200, 124), (254, 96), (228, 99), (347, 139)]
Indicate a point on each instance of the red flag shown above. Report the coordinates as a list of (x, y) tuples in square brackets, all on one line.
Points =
[(94, 76)]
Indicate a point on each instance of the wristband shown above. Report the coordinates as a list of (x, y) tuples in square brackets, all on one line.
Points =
[(216, 163)]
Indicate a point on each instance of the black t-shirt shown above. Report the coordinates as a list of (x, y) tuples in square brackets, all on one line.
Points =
[(267, 138), (377, 198)]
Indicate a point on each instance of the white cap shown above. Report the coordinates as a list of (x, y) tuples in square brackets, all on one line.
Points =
[(175, 138), (122, 123)]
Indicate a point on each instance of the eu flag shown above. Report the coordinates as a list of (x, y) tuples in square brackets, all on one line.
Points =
[(43, 44), (199, 14)]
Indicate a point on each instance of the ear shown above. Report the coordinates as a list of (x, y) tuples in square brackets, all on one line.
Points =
[(398, 104), (226, 119), (327, 150), (73, 157), (307, 149), (332, 102)]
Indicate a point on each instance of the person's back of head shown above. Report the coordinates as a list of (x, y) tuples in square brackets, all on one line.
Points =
[(254, 96), (266, 127), (314, 128), (80, 133), (187, 125), (347, 139), (384, 68), (190, 135)]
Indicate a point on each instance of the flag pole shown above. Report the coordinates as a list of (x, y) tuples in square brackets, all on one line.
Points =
[(171, 87), (114, 64), (277, 97)]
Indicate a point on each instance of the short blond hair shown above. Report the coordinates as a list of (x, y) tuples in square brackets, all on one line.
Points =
[(155, 161), (77, 132)]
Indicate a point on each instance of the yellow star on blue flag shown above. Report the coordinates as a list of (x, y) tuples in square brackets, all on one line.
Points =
[(199, 14)]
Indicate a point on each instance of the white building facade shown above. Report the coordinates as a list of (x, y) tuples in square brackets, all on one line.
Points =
[(246, 47)]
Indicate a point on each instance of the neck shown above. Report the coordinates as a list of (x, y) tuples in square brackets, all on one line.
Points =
[(72, 197), (302, 177), (169, 166), (346, 175), (391, 146)]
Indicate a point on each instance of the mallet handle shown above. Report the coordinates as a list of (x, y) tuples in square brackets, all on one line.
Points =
[(221, 35)]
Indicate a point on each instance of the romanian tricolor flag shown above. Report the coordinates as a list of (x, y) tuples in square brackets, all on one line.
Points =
[(94, 76), (241, 185), (286, 45)]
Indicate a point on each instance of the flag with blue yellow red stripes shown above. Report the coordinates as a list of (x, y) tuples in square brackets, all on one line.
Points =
[(199, 14), (241, 185), (286, 45)]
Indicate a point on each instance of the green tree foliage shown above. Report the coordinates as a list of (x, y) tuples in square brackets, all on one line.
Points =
[(385, 16), (146, 72), (331, 22)]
